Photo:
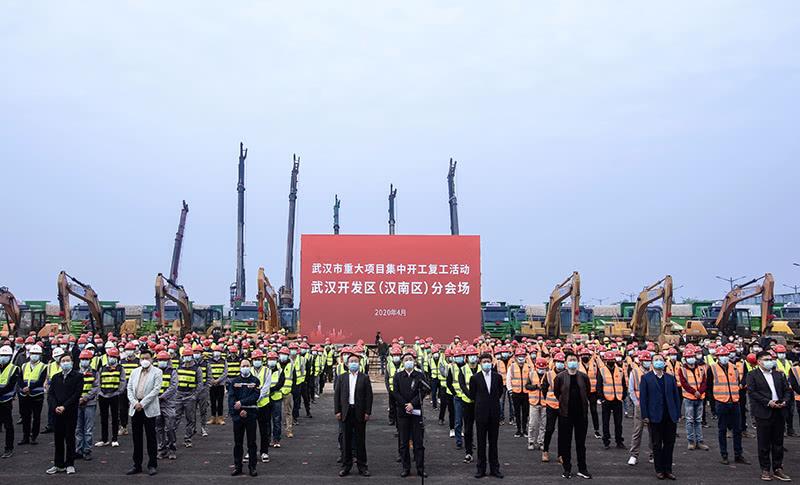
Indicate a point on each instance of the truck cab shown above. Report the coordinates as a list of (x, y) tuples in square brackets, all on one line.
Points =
[(496, 319), (244, 317)]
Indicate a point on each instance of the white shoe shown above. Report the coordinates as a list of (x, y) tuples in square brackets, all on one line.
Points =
[(247, 456), (632, 461), (114, 444), (70, 470), (100, 444), (452, 433), (53, 470), (264, 458), (203, 433)]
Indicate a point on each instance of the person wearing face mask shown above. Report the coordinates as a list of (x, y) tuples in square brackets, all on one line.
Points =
[(112, 385), (189, 377), (393, 365), (273, 409), (445, 394), (589, 363), (536, 385), (129, 362), (515, 375), (637, 371), (783, 365), (287, 405), (218, 375), (467, 404), (143, 388), (485, 389), (202, 388), (243, 394), (659, 401), (693, 381), (571, 388), (724, 381), (452, 384), (500, 366), (353, 407), (409, 389), (63, 396), (264, 375), (552, 404), (87, 406), (613, 390), (769, 394), (31, 395), (9, 378), (165, 422), (434, 362)]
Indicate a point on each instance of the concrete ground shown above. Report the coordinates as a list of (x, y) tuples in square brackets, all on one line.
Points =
[(311, 457)]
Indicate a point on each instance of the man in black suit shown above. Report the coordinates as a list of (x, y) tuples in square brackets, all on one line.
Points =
[(485, 389), (353, 406), (769, 394), (409, 392), (63, 396)]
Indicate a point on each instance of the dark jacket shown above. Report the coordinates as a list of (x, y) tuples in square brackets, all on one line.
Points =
[(65, 391), (407, 388), (487, 402), (245, 390), (760, 394), (651, 399), (561, 391), (363, 396)]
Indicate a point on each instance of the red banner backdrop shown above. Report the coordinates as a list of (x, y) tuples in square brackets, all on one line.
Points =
[(354, 285)]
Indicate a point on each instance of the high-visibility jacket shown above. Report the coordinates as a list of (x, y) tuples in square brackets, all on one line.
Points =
[(612, 383), (218, 367), (263, 374), (286, 388), (88, 382), (319, 364), (709, 360), (535, 398), (592, 371), (550, 398), (53, 368), (466, 373), (796, 372), (110, 378), (637, 372), (694, 377), (784, 366), (187, 378), (434, 367), (455, 372), (678, 367), (166, 379), (233, 365), (300, 369), (289, 381), (749, 366), (5, 377), (391, 370), (726, 383), (517, 373), (129, 365), (31, 375), (500, 365)]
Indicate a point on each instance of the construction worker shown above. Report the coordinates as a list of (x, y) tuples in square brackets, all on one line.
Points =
[(319, 368), (9, 377), (202, 388), (392, 366), (327, 375), (614, 389), (53, 368), (458, 403), (130, 361), (264, 375), (725, 381), (445, 395), (537, 412), (273, 392), (87, 406), (433, 374), (785, 366), (467, 404), (517, 371), (279, 390), (243, 394), (189, 378), (590, 361), (306, 389), (218, 374), (500, 361), (638, 367), (112, 385), (551, 402), (30, 389), (165, 422), (284, 357), (692, 378)]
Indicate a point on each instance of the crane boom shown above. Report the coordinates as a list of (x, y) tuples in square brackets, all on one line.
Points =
[(169, 290), (336, 204), (239, 293), (287, 290), (178, 246), (451, 189), (392, 195)]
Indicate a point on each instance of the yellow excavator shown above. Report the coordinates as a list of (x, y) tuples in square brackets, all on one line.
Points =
[(167, 289), (638, 326), (68, 285), (13, 313), (551, 326), (725, 321), (267, 305)]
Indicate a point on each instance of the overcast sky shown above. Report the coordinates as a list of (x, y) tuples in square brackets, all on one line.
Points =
[(625, 140)]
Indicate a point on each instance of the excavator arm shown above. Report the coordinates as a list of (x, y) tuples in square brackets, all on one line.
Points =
[(568, 287), (12, 310), (743, 292), (167, 289), (661, 289), (68, 285), (267, 315)]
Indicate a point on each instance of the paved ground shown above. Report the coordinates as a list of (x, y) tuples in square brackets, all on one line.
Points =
[(311, 456)]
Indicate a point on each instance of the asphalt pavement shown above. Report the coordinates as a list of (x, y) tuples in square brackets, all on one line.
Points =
[(311, 457)]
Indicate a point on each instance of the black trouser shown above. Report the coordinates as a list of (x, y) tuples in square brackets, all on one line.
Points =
[(663, 437), (354, 433), (566, 427), (8, 423), (242, 426), (488, 430), (411, 428), (304, 393), (549, 427), (264, 418), (742, 408), (217, 396), (593, 410), (521, 410), (446, 405), (468, 423), (296, 395), (30, 410), (64, 425), (788, 414), (769, 435), (124, 406), (615, 408), (107, 403), (392, 410), (141, 424)]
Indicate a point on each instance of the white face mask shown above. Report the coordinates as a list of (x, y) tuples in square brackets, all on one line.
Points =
[(145, 363)]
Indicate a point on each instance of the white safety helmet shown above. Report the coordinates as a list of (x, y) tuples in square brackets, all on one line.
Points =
[(57, 352), (6, 350), (35, 349)]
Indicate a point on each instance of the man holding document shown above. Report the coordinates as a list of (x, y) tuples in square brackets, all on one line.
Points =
[(409, 392)]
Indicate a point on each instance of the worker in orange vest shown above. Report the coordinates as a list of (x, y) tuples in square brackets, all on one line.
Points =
[(724, 381), (612, 389), (551, 402), (639, 367), (536, 386), (515, 378), (693, 386), (589, 361)]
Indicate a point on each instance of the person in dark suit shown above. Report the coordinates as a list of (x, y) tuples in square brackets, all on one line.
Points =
[(485, 389), (660, 403), (769, 394), (243, 393), (63, 396), (409, 391), (352, 405), (571, 388)]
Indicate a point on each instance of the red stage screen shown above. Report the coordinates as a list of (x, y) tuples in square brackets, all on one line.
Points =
[(354, 285)]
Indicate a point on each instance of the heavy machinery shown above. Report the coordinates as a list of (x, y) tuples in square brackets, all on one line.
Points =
[(95, 315), (178, 246), (337, 203), (496, 319), (552, 325), (288, 313), (238, 290), (392, 196), (724, 319), (261, 315), (13, 315), (453, 201), (641, 324), (176, 319)]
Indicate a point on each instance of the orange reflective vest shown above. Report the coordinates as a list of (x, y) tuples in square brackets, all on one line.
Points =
[(637, 372), (550, 398), (501, 369), (796, 373), (516, 378), (695, 378), (612, 383), (726, 384), (535, 397), (592, 371)]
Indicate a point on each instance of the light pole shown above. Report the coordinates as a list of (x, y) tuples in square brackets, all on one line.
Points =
[(731, 280), (793, 287), (629, 295), (600, 300)]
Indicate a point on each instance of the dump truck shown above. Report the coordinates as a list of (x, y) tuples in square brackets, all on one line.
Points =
[(496, 319)]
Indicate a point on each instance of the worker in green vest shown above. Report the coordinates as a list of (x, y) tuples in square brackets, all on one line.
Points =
[(165, 423), (218, 377), (9, 376), (264, 375), (468, 405), (279, 389), (392, 365), (433, 362), (189, 378), (112, 385), (31, 395)]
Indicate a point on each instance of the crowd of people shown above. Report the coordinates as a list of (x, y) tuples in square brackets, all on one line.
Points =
[(149, 385)]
